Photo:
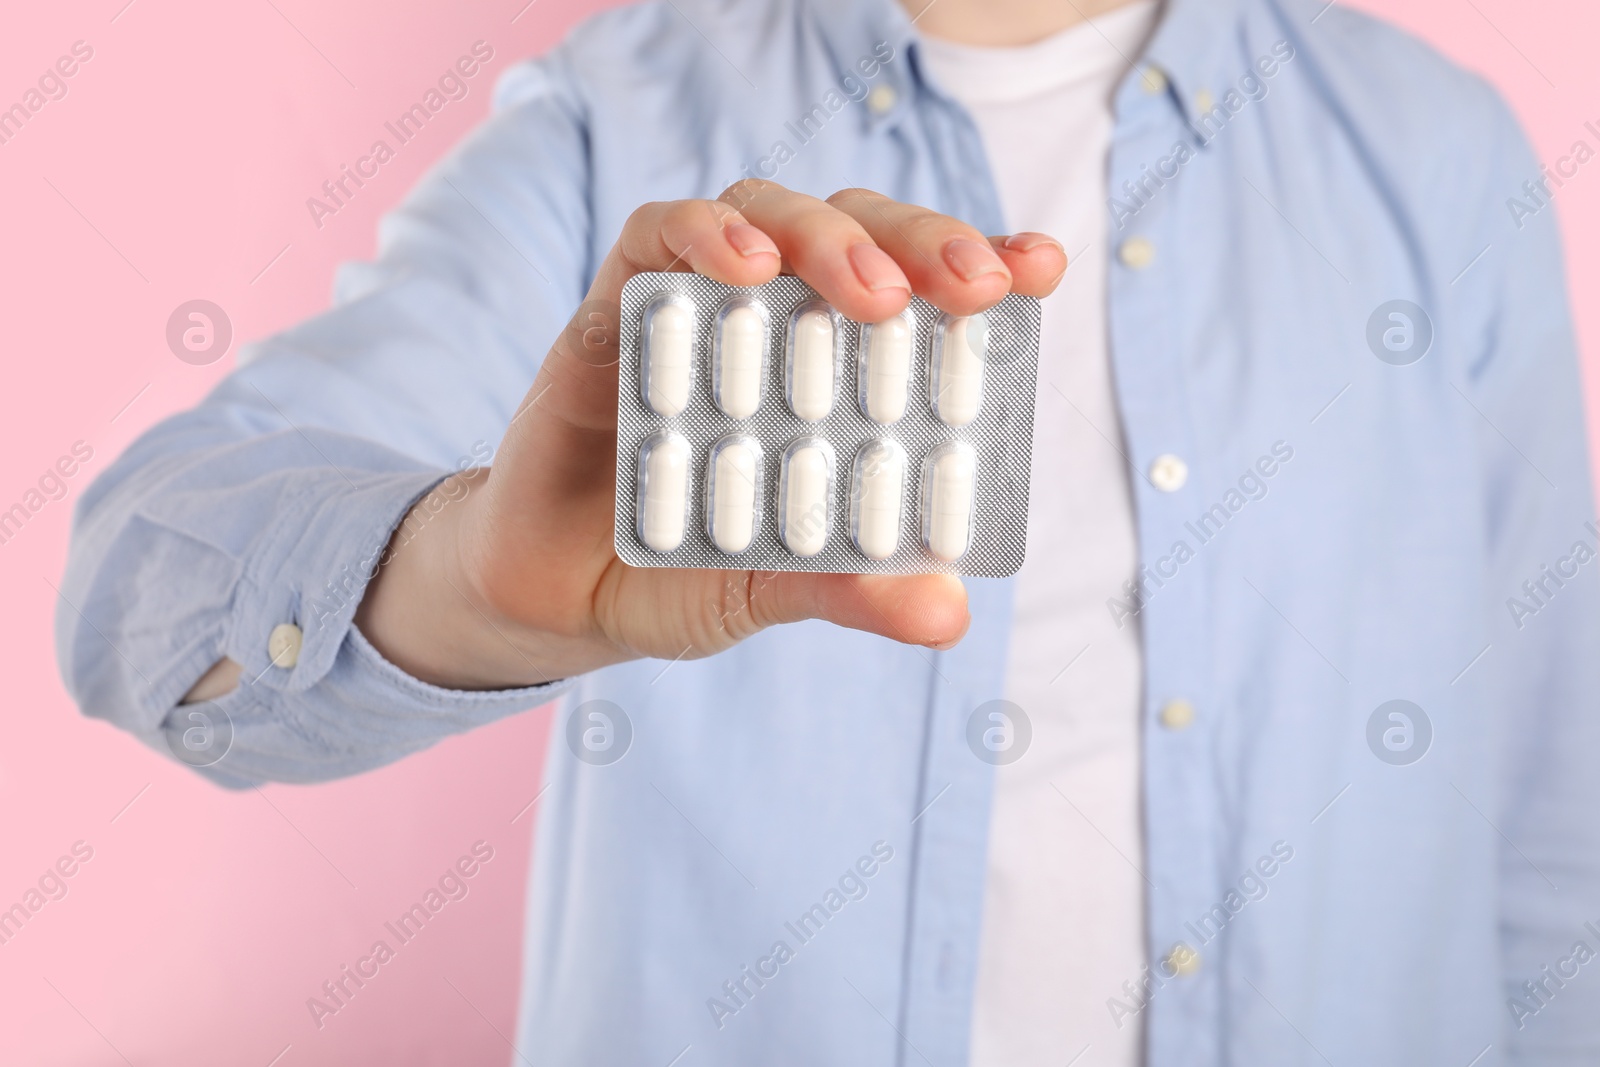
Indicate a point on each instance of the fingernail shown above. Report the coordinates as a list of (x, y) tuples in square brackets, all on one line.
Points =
[(971, 260), (749, 241), (876, 268), (1027, 242)]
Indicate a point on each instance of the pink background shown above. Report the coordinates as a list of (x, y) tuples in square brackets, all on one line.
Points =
[(190, 143)]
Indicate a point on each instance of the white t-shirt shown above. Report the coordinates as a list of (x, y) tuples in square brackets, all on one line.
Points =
[(1063, 922)]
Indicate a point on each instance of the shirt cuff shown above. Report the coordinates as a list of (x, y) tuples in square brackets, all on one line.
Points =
[(340, 707)]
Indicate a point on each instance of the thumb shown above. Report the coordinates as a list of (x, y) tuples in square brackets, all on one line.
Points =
[(920, 609)]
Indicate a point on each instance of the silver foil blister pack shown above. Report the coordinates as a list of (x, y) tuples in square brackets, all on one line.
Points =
[(759, 429)]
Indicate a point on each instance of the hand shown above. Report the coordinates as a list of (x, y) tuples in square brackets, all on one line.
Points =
[(517, 582)]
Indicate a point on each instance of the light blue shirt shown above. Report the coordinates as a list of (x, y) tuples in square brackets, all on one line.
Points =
[(1425, 539)]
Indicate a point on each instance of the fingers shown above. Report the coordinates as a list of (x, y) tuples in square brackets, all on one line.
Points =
[(703, 236), (826, 247), (950, 264), (1037, 262), (921, 609)]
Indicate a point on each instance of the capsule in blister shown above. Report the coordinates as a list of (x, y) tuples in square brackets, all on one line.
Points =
[(668, 355), (949, 480), (877, 489), (805, 496), (663, 491), (955, 376), (738, 357), (733, 492), (883, 370), (811, 360), (760, 427)]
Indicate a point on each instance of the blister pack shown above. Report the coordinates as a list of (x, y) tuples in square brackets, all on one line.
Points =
[(759, 429)]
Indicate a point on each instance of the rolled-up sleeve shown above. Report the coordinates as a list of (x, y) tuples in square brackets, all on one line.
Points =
[(269, 504)]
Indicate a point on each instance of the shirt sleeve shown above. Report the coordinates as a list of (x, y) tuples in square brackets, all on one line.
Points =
[(1543, 668), (270, 502)]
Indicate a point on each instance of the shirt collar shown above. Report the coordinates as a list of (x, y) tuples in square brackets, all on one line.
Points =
[(1189, 47), (852, 29)]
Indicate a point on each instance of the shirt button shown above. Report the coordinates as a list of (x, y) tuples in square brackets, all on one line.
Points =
[(1154, 80), (1182, 961), (1168, 473), (881, 98), (1177, 714), (1203, 101), (283, 645), (1137, 253)]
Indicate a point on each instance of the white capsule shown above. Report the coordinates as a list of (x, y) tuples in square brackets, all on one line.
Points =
[(949, 478), (955, 380), (668, 349), (733, 485), (736, 366), (884, 371), (663, 491), (875, 498), (805, 496), (811, 361)]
